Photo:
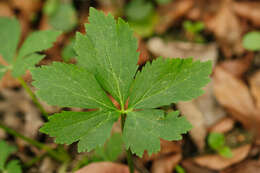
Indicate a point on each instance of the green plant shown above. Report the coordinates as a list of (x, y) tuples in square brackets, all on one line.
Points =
[(12, 166), (163, 2), (193, 30), (179, 169), (251, 41), (27, 56), (109, 152), (68, 52), (61, 15), (216, 141), (141, 16), (107, 63)]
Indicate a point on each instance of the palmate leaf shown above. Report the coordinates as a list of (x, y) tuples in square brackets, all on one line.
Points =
[(108, 50), (69, 86), (112, 148), (38, 41), (167, 81), (143, 129), (91, 129), (27, 57), (106, 59), (9, 37)]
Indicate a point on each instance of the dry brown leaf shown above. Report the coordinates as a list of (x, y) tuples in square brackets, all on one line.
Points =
[(248, 10), (166, 164), (8, 81), (5, 10), (27, 7), (144, 54), (202, 8), (217, 162), (255, 88), (195, 117), (233, 94), (251, 166), (183, 50), (104, 167), (202, 112), (44, 24), (227, 29), (223, 126), (238, 67), (167, 147), (171, 13), (47, 166), (211, 110), (191, 167)]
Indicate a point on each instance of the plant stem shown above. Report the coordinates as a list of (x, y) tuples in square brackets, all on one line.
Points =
[(128, 152), (30, 163), (34, 98), (54, 154)]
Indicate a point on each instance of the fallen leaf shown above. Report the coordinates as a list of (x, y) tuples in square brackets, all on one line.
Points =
[(255, 88), (27, 8), (173, 49), (104, 167), (238, 67), (195, 117), (217, 162), (226, 27), (47, 166), (206, 103), (172, 12), (8, 81), (166, 164), (223, 126), (202, 112), (251, 166), (167, 147), (144, 54), (191, 167), (248, 10), (202, 8), (233, 94), (5, 10)]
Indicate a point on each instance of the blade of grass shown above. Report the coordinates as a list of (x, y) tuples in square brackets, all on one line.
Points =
[(59, 156)]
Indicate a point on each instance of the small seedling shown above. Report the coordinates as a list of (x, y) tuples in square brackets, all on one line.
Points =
[(12, 166), (179, 169), (251, 41), (193, 30), (107, 63), (28, 55), (216, 142)]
